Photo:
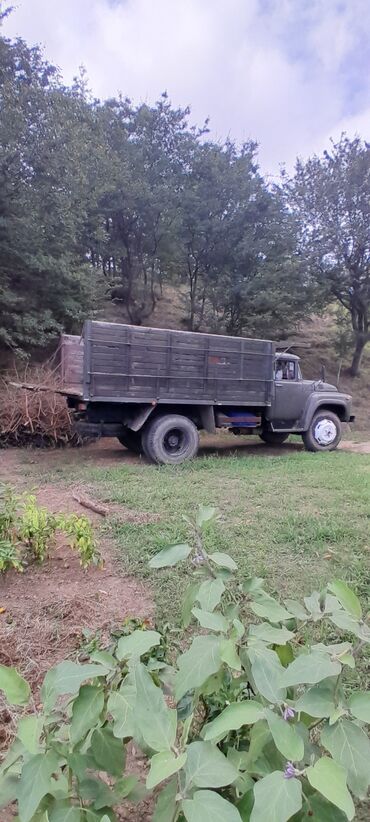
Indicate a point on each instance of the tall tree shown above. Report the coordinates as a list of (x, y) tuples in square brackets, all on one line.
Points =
[(237, 246), (45, 189), (138, 204), (330, 197)]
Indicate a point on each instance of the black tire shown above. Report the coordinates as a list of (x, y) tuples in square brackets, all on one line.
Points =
[(170, 439), (131, 440), (273, 437), (329, 430)]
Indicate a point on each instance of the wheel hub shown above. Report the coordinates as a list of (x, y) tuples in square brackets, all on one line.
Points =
[(325, 432)]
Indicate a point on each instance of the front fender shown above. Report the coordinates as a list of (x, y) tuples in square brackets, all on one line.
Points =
[(338, 404)]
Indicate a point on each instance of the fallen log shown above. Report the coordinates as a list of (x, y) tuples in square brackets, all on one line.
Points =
[(93, 506)]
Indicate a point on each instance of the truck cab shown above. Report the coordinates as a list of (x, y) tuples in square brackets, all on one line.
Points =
[(314, 408)]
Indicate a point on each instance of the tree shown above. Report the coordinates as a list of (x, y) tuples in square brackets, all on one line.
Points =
[(237, 246), (330, 197), (138, 202), (45, 188)]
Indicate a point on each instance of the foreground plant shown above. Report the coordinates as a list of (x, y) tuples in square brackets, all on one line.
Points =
[(265, 725)]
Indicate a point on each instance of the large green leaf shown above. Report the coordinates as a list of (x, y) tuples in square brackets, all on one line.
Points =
[(267, 607), (207, 767), (295, 608), (317, 701), (108, 751), (208, 806), (329, 778), (350, 746), (245, 805), (259, 737), (210, 593), (155, 720), (276, 799), (267, 672), (197, 664), (223, 560), (170, 556), (86, 711), (205, 514), (121, 705), (165, 805), (232, 718), (189, 598), (163, 765), (285, 736), (35, 782), (346, 622), (229, 654), (211, 621), (67, 677), (359, 705), (310, 668), (65, 812), (16, 689), (268, 633), (346, 597), (137, 644), (29, 731)]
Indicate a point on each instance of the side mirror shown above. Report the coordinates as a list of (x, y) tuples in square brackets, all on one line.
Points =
[(323, 373)]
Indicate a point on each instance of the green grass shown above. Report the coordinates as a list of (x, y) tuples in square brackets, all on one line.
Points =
[(298, 520)]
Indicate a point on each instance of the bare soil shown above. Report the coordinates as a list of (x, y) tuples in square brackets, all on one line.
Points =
[(45, 610)]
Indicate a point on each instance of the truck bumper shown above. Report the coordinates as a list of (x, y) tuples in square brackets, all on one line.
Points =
[(352, 418)]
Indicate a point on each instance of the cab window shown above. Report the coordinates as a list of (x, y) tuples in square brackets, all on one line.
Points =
[(285, 370)]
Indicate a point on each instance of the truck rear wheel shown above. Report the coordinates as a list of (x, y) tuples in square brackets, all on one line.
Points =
[(131, 440), (273, 437), (171, 439), (324, 433)]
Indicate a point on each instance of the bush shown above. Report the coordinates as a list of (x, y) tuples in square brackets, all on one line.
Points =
[(28, 531), (265, 724)]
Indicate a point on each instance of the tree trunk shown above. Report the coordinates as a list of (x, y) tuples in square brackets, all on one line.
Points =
[(361, 341)]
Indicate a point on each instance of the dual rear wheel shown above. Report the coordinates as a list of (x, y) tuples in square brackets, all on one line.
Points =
[(166, 440)]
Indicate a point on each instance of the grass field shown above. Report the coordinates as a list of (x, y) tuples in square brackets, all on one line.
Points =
[(298, 520)]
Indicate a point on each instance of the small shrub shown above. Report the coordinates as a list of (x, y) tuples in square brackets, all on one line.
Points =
[(9, 557), (81, 532), (37, 529)]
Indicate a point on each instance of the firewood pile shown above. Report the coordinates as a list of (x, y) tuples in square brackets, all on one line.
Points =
[(35, 415)]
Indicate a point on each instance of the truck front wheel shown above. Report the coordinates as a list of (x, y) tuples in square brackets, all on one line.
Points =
[(273, 437), (171, 439), (324, 433)]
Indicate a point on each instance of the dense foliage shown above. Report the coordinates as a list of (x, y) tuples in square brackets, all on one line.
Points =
[(255, 720), (108, 200)]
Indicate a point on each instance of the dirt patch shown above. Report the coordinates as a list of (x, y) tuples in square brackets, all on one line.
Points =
[(356, 447)]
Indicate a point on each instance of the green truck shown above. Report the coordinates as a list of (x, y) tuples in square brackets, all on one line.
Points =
[(156, 389)]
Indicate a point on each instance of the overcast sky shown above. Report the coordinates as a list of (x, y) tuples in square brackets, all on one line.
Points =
[(288, 73)]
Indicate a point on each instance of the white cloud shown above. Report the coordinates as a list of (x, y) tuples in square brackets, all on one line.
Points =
[(285, 73)]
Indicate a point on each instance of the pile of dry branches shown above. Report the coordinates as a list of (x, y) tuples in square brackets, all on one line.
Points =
[(37, 417)]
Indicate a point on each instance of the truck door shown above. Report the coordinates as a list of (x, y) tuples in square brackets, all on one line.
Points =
[(289, 395)]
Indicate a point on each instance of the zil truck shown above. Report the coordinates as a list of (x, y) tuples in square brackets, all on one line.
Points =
[(156, 389)]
